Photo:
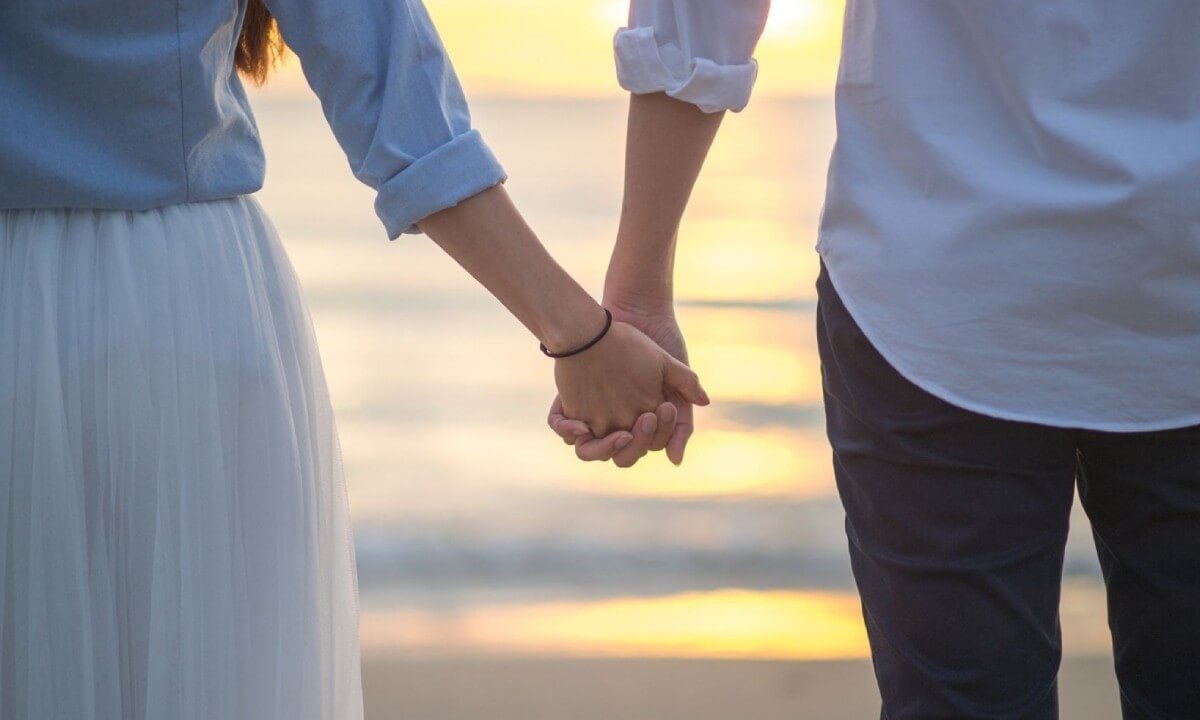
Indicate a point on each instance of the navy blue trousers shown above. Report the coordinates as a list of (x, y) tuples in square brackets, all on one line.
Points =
[(957, 524)]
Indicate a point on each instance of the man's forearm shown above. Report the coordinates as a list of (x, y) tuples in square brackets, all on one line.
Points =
[(667, 143)]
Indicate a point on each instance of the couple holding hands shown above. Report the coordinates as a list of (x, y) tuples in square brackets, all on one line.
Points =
[(1007, 312)]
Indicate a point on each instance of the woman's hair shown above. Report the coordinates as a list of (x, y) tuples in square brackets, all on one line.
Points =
[(260, 44)]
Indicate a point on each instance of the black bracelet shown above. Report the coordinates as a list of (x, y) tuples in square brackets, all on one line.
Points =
[(593, 341)]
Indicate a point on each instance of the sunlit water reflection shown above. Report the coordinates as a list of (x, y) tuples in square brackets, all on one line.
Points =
[(476, 528)]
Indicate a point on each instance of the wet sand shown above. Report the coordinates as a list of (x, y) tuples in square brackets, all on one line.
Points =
[(498, 688)]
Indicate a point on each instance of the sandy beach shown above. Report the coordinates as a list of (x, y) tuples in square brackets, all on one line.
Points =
[(471, 568), (498, 688)]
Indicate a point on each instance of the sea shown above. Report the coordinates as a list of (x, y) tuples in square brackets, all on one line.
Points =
[(477, 530)]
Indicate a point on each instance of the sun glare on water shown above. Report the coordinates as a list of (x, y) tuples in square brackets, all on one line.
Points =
[(612, 13), (501, 47), (796, 18)]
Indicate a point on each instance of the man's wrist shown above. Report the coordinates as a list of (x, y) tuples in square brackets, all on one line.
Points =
[(641, 287), (641, 301), (640, 275)]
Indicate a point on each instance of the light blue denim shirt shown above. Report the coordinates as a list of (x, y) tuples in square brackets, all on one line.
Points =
[(134, 104)]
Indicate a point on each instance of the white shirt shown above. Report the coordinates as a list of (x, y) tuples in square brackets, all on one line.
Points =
[(1013, 207)]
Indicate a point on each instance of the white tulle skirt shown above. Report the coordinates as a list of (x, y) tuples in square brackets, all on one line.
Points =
[(174, 536)]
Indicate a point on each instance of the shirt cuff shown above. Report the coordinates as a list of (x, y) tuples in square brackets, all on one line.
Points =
[(453, 172), (644, 66)]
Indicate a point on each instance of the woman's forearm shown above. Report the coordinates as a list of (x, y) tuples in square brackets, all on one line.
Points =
[(617, 379), (487, 236), (667, 143)]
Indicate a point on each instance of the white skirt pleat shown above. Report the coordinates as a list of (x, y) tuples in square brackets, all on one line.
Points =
[(174, 531)]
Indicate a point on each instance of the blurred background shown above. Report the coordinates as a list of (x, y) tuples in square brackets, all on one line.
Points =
[(498, 574)]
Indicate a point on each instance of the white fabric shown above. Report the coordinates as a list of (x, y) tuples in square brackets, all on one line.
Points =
[(698, 51), (174, 536), (1013, 207)]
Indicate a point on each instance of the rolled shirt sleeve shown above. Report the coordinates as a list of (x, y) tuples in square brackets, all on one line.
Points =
[(393, 101), (699, 51)]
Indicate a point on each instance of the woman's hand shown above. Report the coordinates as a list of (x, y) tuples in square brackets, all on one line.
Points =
[(611, 386), (669, 427)]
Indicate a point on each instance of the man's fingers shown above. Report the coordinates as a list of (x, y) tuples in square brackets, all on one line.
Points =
[(678, 443), (556, 410), (684, 427), (651, 431), (602, 449), (667, 414), (571, 431), (644, 430)]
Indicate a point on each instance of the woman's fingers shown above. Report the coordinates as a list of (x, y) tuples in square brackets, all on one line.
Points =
[(683, 380)]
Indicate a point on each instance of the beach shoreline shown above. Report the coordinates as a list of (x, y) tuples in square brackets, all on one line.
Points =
[(501, 687)]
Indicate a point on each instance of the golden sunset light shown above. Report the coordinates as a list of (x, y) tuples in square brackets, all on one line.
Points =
[(595, 359), (723, 623), (726, 464), (729, 623), (564, 49)]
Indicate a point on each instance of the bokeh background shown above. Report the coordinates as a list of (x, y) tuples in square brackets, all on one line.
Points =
[(497, 572)]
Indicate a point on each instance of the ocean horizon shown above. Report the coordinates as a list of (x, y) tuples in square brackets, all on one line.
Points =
[(467, 509)]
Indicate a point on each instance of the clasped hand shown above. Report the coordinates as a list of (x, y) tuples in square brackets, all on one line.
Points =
[(630, 394)]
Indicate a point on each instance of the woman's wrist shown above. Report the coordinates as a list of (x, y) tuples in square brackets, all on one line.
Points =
[(571, 322)]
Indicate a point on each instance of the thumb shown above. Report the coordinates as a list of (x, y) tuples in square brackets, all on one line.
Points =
[(683, 380)]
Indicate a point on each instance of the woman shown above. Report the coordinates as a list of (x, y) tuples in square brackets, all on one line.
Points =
[(174, 540)]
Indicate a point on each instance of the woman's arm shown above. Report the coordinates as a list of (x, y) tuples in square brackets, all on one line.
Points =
[(609, 385), (487, 236), (395, 105)]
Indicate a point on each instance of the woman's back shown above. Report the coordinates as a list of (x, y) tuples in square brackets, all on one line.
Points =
[(127, 105), (137, 105)]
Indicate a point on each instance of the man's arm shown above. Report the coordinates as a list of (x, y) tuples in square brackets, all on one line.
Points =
[(685, 62), (667, 143)]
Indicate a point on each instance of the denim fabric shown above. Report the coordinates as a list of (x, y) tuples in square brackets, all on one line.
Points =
[(126, 105)]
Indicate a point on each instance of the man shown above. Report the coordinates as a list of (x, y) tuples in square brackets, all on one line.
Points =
[(1009, 302)]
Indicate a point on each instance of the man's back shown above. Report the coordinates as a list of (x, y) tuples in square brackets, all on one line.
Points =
[(1013, 212)]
